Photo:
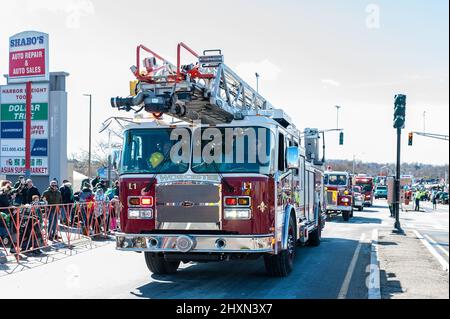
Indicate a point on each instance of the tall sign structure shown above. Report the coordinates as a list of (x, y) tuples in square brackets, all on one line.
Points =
[(33, 111)]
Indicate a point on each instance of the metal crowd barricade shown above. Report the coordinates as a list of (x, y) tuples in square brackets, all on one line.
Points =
[(27, 229)]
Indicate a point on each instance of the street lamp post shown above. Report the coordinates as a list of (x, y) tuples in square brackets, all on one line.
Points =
[(109, 158), (90, 134), (257, 82), (354, 158), (424, 117), (338, 108)]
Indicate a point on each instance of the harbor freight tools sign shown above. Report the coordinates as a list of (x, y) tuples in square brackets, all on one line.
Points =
[(28, 57), (12, 129)]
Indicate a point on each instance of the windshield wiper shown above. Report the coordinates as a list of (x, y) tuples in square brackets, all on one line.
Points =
[(230, 187), (216, 168)]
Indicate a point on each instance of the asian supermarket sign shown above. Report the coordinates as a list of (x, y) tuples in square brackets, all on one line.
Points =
[(16, 166), (28, 57)]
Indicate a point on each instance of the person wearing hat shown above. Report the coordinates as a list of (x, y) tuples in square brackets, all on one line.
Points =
[(67, 199), (52, 196), (102, 184), (95, 181), (66, 192), (20, 181), (19, 190), (29, 192)]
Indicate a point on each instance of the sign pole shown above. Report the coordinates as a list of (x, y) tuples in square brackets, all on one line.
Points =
[(397, 181), (28, 132)]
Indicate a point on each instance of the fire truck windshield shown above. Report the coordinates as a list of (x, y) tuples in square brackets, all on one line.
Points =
[(149, 151), (335, 180), (235, 150)]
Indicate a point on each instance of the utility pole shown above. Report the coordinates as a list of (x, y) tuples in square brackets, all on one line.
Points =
[(90, 135)]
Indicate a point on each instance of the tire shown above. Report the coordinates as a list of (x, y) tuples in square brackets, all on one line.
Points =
[(346, 216), (159, 266), (281, 265), (315, 236)]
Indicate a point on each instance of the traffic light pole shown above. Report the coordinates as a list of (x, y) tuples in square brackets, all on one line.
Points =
[(397, 182)]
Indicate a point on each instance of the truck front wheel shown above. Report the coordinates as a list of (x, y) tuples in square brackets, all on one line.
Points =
[(281, 265), (159, 266), (315, 236), (346, 216)]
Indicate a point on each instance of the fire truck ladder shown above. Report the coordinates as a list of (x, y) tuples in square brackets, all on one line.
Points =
[(207, 90)]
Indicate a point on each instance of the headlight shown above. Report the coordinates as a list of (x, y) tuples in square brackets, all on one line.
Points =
[(237, 214), (140, 214)]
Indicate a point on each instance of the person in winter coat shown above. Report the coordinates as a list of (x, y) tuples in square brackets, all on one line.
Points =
[(101, 211), (29, 192), (52, 197), (67, 199), (6, 197), (86, 203)]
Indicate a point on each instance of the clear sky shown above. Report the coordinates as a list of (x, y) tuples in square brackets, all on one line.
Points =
[(311, 55)]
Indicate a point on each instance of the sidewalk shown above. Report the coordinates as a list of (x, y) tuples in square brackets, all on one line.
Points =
[(408, 270)]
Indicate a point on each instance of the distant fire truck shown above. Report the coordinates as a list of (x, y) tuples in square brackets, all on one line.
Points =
[(224, 177), (338, 194), (367, 185)]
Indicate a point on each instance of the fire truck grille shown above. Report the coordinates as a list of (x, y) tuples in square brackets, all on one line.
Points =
[(192, 203), (331, 198)]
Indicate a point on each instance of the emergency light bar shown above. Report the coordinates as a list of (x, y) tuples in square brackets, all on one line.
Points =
[(211, 59)]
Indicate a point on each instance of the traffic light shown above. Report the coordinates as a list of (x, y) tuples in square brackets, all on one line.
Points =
[(410, 139), (399, 111), (341, 138)]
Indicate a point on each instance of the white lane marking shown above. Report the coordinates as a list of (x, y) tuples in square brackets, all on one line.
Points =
[(374, 277), (348, 277), (435, 244), (433, 251)]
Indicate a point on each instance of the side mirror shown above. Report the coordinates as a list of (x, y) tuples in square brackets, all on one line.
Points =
[(293, 157)]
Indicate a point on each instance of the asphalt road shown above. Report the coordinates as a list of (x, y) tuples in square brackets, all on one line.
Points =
[(338, 268)]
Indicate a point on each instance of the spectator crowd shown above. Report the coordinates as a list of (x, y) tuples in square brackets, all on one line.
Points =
[(61, 204)]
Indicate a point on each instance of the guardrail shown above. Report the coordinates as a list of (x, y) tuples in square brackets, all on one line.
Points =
[(30, 228)]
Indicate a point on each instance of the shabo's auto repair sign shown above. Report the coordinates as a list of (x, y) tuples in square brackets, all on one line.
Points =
[(28, 57)]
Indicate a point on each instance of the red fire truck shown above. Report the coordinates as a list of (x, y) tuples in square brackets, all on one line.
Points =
[(367, 185), (338, 194), (216, 172)]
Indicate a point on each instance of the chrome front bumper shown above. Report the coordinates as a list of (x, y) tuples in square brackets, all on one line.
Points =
[(195, 243), (339, 208)]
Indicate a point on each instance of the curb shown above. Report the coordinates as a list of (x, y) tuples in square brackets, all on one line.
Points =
[(374, 277)]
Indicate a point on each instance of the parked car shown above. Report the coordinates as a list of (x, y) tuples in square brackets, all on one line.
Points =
[(358, 198), (381, 192)]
